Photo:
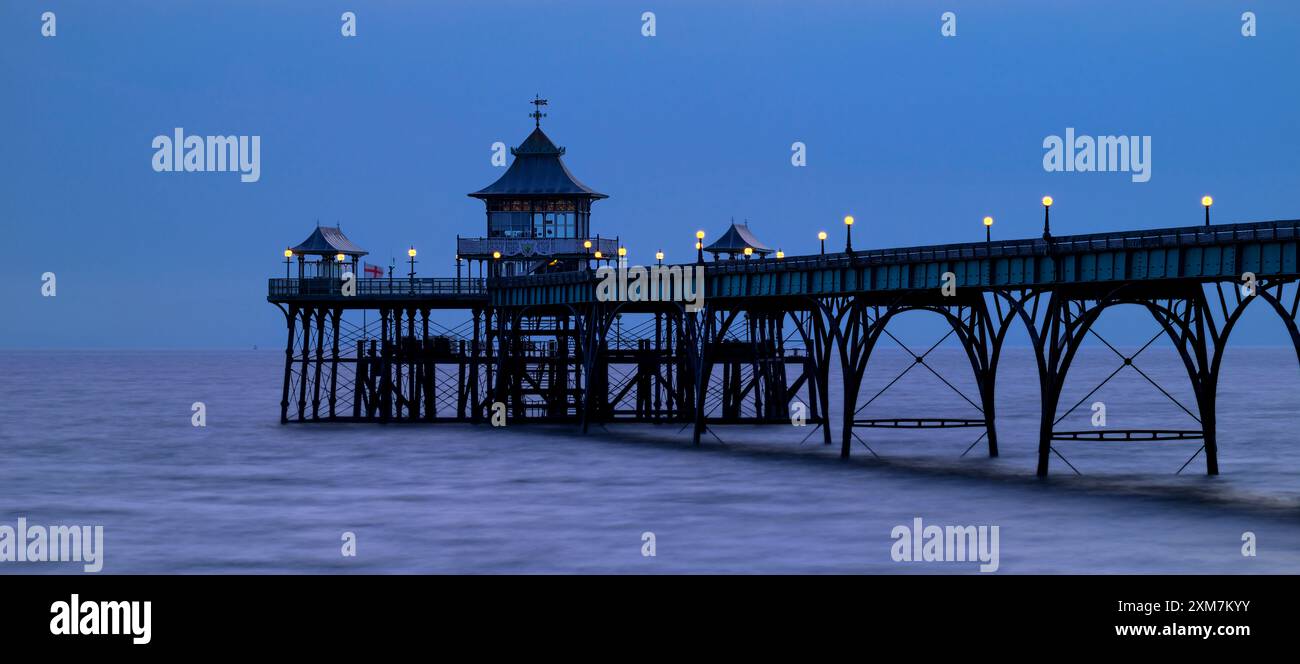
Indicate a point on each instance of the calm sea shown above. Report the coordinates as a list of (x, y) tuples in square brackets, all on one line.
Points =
[(105, 438)]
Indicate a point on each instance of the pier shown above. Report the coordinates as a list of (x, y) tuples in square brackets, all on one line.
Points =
[(541, 339)]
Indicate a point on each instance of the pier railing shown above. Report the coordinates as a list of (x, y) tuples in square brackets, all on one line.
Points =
[(1187, 236), (512, 247), (381, 287)]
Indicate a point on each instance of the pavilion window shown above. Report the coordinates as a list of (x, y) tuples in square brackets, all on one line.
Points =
[(553, 224), (508, 224)]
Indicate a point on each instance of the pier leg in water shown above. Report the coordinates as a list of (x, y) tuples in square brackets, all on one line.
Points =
[(291, 319)]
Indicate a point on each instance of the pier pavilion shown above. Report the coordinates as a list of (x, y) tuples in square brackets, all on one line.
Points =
[(326, 254), (737, 242), (538, 215)]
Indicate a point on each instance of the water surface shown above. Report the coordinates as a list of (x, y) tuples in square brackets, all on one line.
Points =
[(105, 438)]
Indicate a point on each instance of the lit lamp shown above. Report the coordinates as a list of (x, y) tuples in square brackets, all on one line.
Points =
[(659, 256), (410, 253), (821, 235), (848, 233), (496, 256), (1047, 217), (288, 253), (988, 229), (780, 254), (749, 251), (622, 256), (699, 246), (1207, 202)]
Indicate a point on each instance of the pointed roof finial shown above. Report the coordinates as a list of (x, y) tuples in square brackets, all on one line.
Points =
[(537, 114)]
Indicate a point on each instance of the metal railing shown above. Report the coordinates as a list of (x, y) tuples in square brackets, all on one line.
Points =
[(1066, 244), (1178, 237), (526, 247), (381, 287), (1288, 229)]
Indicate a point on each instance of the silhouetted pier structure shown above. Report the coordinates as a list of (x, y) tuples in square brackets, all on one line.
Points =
[(538, 339)]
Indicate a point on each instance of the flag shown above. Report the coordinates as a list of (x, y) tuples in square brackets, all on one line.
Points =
[(373, 271)]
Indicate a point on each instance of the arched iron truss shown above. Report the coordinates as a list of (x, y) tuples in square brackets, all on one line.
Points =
[(730, 364)]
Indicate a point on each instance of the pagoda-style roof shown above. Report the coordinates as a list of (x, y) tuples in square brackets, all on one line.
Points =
[(734, 241), (328, 241), (537, 171)]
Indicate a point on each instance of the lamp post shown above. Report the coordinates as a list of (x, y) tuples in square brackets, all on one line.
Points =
[(821, 235), (458, 273), (749, 251), (988, 245), (699, 247), (622, 258), (410, 253), (1207, 202), (780, 254), (1047, 217), (288, 253), (659, 256), (848, 233), (496, 257)]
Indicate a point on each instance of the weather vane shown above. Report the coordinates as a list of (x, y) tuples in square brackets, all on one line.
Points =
[(537, 114)]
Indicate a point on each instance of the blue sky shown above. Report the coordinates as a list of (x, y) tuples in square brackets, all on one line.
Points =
[(917, 135)]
